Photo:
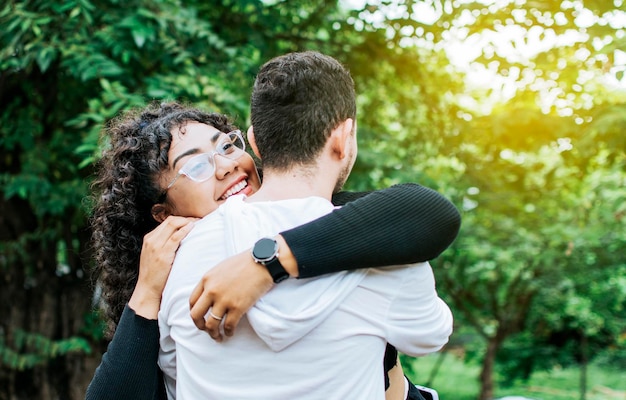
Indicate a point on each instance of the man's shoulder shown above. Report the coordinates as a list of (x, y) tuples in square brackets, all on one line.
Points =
[(311, 204), (211, 224), (282, 214)]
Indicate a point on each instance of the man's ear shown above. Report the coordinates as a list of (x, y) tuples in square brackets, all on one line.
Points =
[(340, 137), (159, 212), (252, 141)]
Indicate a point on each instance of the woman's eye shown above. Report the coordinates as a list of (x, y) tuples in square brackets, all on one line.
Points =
[(226, 147)]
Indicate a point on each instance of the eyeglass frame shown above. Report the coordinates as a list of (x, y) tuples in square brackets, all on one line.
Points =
[(211, 154)]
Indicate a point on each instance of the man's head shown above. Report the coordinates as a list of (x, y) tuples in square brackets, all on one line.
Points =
[(298, 99)]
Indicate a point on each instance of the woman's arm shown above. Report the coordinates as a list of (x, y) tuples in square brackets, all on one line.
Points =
[(128, 369), (402, 224)]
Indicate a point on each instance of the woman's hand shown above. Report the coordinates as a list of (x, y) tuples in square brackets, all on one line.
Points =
[(157, 256), (228, 290), (232, 287)]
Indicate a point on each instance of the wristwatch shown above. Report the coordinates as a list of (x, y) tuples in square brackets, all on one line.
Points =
[(265, 252)]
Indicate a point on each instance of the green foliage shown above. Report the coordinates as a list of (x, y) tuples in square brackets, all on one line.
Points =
[(28, 350), (540, 179), (535, 162), (94, 326), (457, 379)]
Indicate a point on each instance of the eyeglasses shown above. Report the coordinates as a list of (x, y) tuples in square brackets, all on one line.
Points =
[(202, 167)]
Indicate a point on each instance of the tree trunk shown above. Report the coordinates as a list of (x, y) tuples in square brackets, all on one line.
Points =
[(583, 365), (486, 374), (435, 369)]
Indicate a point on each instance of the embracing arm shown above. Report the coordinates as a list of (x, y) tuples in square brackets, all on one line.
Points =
[(129, 367), (403, 224)]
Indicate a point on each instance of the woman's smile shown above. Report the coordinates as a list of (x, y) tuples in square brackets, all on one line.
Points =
[(237, 188)]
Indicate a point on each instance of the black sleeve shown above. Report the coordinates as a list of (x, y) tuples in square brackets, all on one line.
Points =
[(403, 224), (129, 369)]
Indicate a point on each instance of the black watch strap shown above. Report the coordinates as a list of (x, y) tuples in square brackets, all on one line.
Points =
[(276, 270)]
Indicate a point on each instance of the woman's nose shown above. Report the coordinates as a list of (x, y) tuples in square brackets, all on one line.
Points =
[(224, 165)]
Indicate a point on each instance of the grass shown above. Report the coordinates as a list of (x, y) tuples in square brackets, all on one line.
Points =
[(459, 381)]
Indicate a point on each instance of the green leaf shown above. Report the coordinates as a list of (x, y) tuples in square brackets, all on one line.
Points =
[(45, 57)]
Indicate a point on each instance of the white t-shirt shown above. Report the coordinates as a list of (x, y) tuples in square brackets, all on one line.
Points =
[(319, 338)]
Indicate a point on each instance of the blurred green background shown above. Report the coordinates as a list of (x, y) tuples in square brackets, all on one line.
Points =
[(514, 109)]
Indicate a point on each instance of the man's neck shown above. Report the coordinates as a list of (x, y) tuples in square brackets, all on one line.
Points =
[(295, 183)]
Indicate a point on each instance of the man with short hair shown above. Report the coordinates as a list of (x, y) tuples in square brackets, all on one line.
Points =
[(330, 342)]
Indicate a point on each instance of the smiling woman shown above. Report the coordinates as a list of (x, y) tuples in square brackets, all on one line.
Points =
[(190, 191), (134, 196)]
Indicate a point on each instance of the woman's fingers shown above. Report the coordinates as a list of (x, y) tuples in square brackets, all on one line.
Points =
[(169, 230), (210, 309), (177, 233), (213, 321), (205, 315), (231, 321), (228, 290), (160, 245), (199, 305)]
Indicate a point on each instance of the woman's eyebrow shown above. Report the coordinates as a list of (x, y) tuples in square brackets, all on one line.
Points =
[(216, 136), (188, 152)]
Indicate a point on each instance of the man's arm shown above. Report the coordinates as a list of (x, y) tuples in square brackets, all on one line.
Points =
[(402, 224)]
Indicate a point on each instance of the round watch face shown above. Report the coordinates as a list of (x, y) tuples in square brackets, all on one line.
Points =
[(265, 249)]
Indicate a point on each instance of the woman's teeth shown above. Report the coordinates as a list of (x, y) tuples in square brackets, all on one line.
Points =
[(235, 189)]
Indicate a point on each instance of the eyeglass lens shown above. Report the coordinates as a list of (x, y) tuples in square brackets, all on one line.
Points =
[(202, 166)]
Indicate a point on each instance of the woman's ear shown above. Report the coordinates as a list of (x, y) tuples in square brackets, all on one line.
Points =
[(252, 141), (159, 212)]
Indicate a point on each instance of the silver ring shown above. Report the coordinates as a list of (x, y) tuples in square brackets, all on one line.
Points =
[(215, 316)]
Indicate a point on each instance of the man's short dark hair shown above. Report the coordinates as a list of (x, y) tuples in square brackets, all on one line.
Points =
[(297, 100)]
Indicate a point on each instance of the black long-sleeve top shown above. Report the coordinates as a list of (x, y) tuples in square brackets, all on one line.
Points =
[(403, 224)]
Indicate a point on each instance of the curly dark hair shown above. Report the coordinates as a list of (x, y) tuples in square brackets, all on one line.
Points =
[(126, 188)]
